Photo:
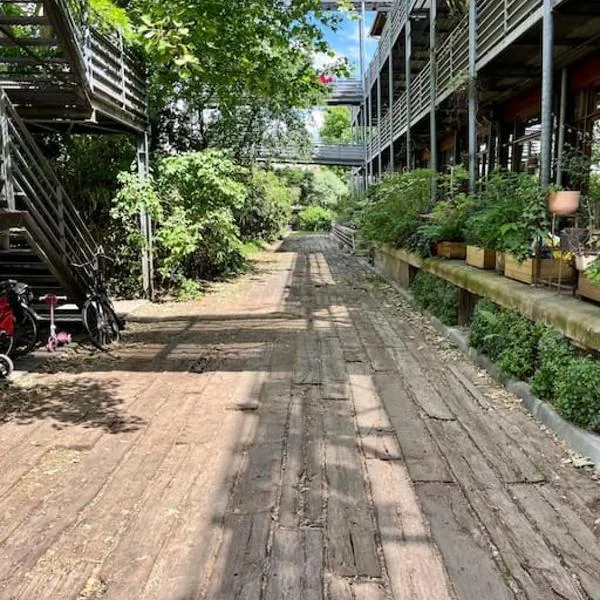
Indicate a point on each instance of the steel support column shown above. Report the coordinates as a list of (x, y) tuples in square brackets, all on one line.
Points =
[(391, 93), (472, 95), (379, 157), (561, 125), (407, 74), (547, 93), (433, 162), (7, 191), (361, 34), (143, 165)]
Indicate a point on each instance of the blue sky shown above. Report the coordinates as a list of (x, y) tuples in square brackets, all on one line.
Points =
[(345, 42)]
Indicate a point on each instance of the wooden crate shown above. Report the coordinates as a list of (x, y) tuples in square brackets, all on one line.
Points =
[(452, 250), (587, 289), (482, 258), (534, 270)]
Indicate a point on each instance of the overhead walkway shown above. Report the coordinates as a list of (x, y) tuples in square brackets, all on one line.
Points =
[(346, 92), (346, 155), (370, 5)]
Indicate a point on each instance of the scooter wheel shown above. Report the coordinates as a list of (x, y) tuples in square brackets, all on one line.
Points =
[(6, 366), (52, 344)]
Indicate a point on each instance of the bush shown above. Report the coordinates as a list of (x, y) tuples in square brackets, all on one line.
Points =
[(394, 205), (485, 330), (510, 215), (349, 209), (192, 202), (524, 349), (267, 207), (554, 352), (315, 218), (520, 339), (577, 392), (436, 296), (507, 338)]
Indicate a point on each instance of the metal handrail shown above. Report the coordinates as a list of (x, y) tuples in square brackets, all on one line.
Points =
[(498, 19), (36, 185)]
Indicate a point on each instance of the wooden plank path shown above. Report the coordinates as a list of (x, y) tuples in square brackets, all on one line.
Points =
[(298, 434)]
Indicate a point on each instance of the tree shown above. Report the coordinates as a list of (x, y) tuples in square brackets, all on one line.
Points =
[(237, 67), (326, 188), (337, 127)]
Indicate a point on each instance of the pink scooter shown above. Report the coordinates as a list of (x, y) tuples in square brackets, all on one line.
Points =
[(60, 338)]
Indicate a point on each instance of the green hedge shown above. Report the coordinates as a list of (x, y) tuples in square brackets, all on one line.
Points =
[(436, 296), (531, 351)]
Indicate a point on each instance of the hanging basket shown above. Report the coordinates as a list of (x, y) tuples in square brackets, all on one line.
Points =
[(565, 202)]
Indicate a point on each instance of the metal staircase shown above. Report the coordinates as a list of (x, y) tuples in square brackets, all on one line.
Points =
[(61, 70), (43, 232)]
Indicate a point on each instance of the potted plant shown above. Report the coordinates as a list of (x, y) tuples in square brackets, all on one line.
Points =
[(521, 235), (443, 228), (446, 222), (576, 166), (494, 207), (480, 233)]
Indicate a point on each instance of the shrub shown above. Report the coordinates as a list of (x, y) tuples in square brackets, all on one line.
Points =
[(394, 205), (554, 352), (507, 338), (192, 203), (436, 296), (267, 207), (520, 338), (325, 188), (577, 392), (349, 209), (485, 330), (315, 218), (510, 215)]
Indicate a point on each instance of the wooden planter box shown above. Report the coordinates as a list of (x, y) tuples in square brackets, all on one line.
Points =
[(451, 250), (482, 258), (586, 289), (534, 270)]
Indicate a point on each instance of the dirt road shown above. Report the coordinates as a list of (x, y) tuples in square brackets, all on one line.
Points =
[(298, 434)]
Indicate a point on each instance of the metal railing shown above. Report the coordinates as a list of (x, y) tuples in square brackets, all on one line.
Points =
[(346, 236), (324, 154), (75, 47), (114, 75), (499, 23)]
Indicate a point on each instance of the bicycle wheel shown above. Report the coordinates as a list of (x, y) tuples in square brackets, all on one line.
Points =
[(6, 367), (26, 332), (101, 322), (6, 343)]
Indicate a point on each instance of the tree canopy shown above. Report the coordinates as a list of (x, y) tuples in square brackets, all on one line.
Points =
[(227, 73), (337, 125)]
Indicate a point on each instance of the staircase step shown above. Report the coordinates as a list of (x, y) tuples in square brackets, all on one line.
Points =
[(23, 20), (32, 60), (29, 41)]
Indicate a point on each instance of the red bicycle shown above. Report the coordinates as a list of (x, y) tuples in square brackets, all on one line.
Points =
[(18, 322), (7, 334)]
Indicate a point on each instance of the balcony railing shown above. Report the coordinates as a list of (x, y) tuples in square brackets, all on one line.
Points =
[(500, 22)]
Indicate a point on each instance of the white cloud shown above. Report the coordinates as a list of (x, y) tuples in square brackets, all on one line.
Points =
[(322, 60)]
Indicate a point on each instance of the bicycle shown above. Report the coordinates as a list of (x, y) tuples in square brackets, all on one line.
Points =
[(98, 314), (18, 321)]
